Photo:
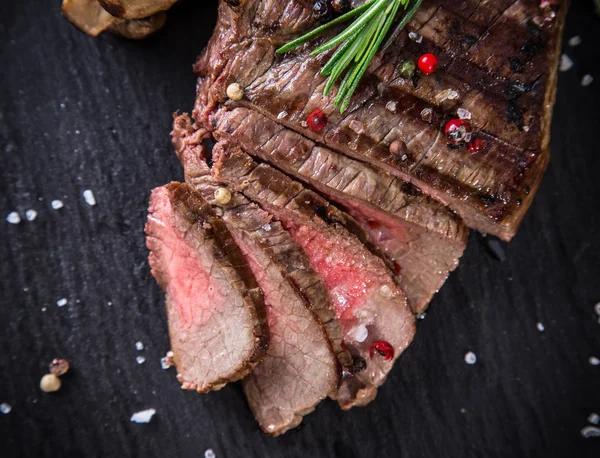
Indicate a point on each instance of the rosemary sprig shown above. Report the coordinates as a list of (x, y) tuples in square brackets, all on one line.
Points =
[(358, 43)]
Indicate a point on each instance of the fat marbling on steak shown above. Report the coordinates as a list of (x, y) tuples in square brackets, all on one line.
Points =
[(498, 62), (215, 308), (422, 238), (371, 308), (300, 367)]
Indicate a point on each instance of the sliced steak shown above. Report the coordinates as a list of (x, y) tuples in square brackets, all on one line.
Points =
[(302, 323), (373, 311), (215, 309), (422, 237), (498, 61)]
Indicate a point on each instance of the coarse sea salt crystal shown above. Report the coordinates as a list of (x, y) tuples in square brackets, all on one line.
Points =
[(590, 431), (566, 63), (594, 361), (470, 358), (89, 198), (359, 334), (57, 204), (414, 36), (421, 316), (282, 115), (267, 227), (575, 41), (594, 419), (5, 408), (61, 302), (209, 453), (13, 218), (427, 114), (540, 327), (387, 291), (164, 363), (587, 80), (391, 106), (357, 126), (446, 94), (464, 114), (140, 360), (31, 215), (139, 346), (144, 416)]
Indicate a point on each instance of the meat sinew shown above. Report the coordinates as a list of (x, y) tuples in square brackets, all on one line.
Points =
[(498, 65), (377, 322), (422, 238), (215, 309), (300, 367)]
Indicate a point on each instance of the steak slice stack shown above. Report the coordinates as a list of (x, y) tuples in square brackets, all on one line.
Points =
[(422, 238), (332, 240), (303, 328), (372, 310), (498, 63), (215, 309)]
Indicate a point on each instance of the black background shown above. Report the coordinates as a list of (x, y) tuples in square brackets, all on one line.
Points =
[(81, 113)]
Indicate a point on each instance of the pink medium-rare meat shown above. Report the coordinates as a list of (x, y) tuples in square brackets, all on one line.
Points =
[(422, 238), (498, 63), (215, 309), (303, 329), (371, 308), (188, 143)]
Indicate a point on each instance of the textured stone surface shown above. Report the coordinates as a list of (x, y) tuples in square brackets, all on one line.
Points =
[(529, 393)]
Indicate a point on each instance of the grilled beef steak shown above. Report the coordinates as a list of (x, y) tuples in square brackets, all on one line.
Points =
[(296, 299), (333, 300), (372, 310), (215, 309), (423, 239), (498, 63)]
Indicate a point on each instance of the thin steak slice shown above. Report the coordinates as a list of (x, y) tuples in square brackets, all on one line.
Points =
[(421, 236), (296, 299), (215, 309), (372, 310), (498, 63)]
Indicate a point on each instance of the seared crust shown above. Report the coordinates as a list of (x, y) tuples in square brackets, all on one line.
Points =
[(494, 57)]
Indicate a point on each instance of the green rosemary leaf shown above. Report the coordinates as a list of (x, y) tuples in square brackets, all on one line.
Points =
[(377, 8), (367, 60), (340, 52), (358, 43), (367, 39), (337, 56), (345, 60), (319, 30)]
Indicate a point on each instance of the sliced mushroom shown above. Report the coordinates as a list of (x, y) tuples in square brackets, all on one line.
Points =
[(87, 15), (136, 29), (136, 9), (91, 18)]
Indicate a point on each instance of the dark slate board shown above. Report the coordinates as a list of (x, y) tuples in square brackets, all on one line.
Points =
[(80, 113)]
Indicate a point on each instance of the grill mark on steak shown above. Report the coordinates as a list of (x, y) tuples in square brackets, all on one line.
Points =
[(499, 173), (415, 232), (304, 330), (215, 309), (361, 288)]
